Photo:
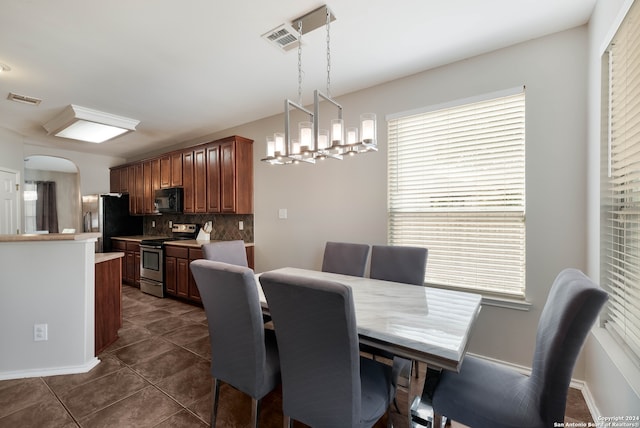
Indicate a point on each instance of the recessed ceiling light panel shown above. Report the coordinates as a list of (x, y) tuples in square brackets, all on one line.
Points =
[(93, 126)]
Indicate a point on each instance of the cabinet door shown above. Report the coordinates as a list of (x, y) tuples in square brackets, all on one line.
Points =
[(155, 184), (182, 283), (176, 170), (165, 171), (121, 246), (139, 194), (170, 275), (213, 178), (114, 180), (124, 180), (131, 173), (130, 268), (194, 294), (187, 177), (228, 177), (199, 181), (147, 185)]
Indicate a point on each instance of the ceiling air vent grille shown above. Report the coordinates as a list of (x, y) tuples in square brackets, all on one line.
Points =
[(24, 99), (284, 37)]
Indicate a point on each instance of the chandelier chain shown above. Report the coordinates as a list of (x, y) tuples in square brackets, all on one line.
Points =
[(328, 53), (300, 62)]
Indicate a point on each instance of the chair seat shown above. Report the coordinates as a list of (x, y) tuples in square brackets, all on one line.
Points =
[(376, 393), (459, 394)]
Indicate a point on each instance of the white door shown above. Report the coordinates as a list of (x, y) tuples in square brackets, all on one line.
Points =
[(8, 202)]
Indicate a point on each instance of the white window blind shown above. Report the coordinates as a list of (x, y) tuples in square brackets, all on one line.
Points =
[(457, 187), (620, 260)]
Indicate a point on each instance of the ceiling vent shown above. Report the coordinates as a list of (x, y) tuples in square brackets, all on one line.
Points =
[(284, 37), (24, 99)]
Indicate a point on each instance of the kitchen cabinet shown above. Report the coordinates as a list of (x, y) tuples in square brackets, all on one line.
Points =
[(217, 177), (131, 262), (176, 169), (178, 279), (119, 180), (176, 262), (171, 170), (150, 183), (194, 295), (108, 301)]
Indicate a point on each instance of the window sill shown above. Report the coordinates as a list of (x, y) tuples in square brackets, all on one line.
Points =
[(505, 302), (494, 300)]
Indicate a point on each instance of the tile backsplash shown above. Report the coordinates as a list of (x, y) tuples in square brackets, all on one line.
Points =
[(225, 226)]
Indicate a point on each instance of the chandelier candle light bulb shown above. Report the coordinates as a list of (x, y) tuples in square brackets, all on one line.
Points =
[(368, 128), (306, 136)]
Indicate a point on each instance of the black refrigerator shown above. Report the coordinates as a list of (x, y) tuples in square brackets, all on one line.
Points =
[(109, 215)]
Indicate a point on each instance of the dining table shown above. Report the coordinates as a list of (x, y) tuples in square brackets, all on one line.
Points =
[(427, 324)]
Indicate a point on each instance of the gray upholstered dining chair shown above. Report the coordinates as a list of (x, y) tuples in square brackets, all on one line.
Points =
[(485, 394), (243, 353), (325, 382), (345, 258), (398, 263), (232, 252)]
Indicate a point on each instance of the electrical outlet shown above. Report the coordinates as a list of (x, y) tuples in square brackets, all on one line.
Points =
[(40, 332), (241, 225), (170, 224), (282, 213), (153, 223)]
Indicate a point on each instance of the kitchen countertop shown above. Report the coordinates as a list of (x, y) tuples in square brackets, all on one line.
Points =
[(104, 257), (138, 238), (194, 243), (49, 237)]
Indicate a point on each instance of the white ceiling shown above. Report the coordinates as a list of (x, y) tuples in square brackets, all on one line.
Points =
[(186, 69)]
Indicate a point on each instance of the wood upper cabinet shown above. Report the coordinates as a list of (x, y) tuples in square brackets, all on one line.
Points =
[(213, 178), (147, 184), (187, 179), (230, 176), (119, 180), (176, 170), (114, 180), (165, 171), (236, 175), (216, 177), (131, 178), (200, 180)]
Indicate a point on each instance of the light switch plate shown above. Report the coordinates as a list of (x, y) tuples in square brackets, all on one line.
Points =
[(282, 213)]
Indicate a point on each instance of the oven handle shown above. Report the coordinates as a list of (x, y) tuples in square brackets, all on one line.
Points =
[(150, 246)]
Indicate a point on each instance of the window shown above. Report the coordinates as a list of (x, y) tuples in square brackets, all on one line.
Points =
[(620, 183), (456, 186)]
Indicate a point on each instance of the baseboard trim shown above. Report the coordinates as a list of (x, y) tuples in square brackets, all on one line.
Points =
[(51, 371)]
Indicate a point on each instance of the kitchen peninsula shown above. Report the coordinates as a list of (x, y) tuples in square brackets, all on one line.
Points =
[(47, 304)]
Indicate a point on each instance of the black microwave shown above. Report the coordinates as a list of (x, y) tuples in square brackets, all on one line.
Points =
[(169, 200)]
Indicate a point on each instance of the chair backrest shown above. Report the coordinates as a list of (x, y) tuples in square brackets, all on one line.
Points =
[(317, 339), (572, 307), (231, 302), (345, 258), (232, 252), (398, 263)]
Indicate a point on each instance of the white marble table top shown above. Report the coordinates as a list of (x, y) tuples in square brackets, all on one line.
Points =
[(426, 324)]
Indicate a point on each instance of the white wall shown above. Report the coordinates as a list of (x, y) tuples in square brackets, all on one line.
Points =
[(612, 378), (347, 200), (59, 293)]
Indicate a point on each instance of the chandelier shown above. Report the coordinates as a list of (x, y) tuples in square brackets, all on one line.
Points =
[(311, 142)]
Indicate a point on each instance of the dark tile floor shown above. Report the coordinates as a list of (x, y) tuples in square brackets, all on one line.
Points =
[(156, 375)]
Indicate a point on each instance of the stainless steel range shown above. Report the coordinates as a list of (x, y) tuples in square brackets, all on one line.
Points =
[(152, 258)]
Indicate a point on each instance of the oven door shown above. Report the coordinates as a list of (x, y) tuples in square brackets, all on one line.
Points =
[(151, 263)]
